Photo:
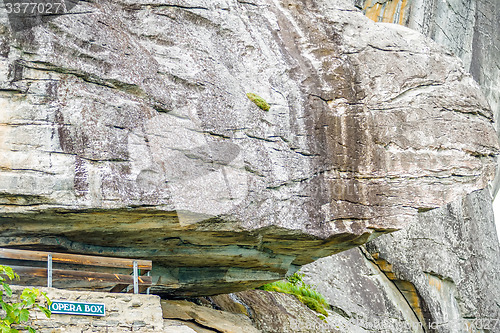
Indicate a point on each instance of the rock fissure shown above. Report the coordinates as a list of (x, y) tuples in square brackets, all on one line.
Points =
[(405, 288)]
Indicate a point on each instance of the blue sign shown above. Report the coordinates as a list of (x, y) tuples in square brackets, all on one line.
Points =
[(78, 308)]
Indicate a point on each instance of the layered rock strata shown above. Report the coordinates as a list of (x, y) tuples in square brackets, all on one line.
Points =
[(125, 130), (467, 28)]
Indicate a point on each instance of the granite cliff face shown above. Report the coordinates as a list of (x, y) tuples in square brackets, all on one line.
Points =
[(442, 272), (467, 28), (125, 130)]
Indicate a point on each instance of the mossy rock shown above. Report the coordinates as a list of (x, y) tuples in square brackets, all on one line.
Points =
[(302, 291), (259, 101)]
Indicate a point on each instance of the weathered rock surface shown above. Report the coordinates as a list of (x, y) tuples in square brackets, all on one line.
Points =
[(125, 130), (445, 267), (204, 319), (250, 311), (362, 296), (273, 312), (469, 28), (441, 274)]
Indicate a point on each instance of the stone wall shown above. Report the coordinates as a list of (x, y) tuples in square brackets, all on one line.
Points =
[(124, 313)]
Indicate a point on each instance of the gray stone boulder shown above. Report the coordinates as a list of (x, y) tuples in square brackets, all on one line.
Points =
[(125, 130), (442, 272)]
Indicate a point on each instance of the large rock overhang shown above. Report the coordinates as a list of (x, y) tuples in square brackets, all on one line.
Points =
[(125, 130)]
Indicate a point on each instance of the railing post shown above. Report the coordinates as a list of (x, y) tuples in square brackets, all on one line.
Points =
[(49, 270), (149, 288), (136, 278)]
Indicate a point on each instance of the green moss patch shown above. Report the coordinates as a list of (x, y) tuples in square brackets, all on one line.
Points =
[(259, 101), (304, 292)]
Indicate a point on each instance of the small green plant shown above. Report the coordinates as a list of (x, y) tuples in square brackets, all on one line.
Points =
[(18, 313), (304, 292), (259, 101)]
